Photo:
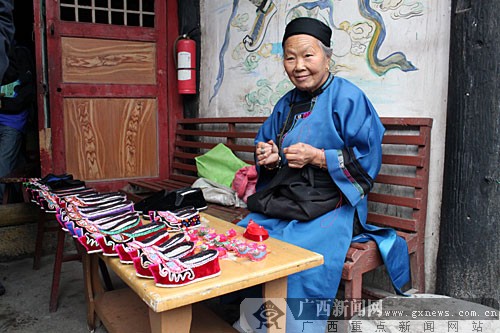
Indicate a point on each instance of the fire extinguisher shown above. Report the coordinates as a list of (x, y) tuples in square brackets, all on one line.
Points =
[(185, 54)]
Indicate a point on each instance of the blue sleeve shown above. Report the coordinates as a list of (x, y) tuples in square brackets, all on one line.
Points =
[(269, 131), (355, 166)]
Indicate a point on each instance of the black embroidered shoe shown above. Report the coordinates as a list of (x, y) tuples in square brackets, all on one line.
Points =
[(171, 201)]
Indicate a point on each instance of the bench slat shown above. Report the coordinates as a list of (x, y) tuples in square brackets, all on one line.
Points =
[(389, 199), (407, 160), (398, 223), (414, 140), (183, 178), (152, 186), (232, 120), (404, 121), (217, 134), (209, 145), (415, 182), (185, 155)]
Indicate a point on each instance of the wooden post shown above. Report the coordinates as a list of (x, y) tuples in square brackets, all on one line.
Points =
[(467, 265)]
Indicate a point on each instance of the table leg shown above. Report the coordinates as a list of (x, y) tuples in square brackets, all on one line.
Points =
[(172, 321), (276, 290), (93, 287)]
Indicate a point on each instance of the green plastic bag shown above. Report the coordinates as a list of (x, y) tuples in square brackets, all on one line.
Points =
[(219, 164)]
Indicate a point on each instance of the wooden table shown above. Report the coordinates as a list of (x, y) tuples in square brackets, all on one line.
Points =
[(172, 309)]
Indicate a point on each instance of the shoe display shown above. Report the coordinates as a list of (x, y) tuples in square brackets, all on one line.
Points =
[(173, 248)]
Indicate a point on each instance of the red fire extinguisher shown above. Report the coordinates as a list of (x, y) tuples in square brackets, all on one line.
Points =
[(185, 53)]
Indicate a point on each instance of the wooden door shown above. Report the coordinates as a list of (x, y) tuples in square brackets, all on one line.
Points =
[(107, 113)]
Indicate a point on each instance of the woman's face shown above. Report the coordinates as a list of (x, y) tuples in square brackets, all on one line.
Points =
[(305, 62)]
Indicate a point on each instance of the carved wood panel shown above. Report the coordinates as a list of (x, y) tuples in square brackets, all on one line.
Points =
[(111, 138), (90, 60)]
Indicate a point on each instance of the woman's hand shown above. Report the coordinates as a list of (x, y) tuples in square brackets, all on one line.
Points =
[(300, 154), (267, 153)]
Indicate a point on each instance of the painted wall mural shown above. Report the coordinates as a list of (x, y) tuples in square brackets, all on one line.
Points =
[(245, 76)]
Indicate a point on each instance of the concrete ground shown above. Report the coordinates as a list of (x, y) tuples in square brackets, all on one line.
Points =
[(25, 305)]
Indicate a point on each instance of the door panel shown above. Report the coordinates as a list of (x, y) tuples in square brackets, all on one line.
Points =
[(96, 61), (109, 101), (111, 138)]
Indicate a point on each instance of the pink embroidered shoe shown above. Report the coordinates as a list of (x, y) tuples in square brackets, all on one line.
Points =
[(144, 231), (119, 223), (180, 272), (148, 256), (128, 251), (91, 199), (176, 220)]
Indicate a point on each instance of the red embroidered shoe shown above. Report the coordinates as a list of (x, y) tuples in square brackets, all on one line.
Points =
[(90, 243), (176, 220), (108, 243), (128, 251), (180, 272), (148, 256)]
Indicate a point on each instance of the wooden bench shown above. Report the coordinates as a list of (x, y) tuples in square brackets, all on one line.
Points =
[(398, 199)]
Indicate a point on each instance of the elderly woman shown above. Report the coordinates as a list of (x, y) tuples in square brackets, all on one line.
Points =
[(317, 155)]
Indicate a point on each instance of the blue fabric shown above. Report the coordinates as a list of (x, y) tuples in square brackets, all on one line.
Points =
[(16, 121), (342, 117), (10, 146)]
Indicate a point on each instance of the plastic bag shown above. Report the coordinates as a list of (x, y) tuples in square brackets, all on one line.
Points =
[(219, 164)]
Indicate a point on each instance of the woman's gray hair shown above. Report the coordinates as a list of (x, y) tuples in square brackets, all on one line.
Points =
[(326, 50)]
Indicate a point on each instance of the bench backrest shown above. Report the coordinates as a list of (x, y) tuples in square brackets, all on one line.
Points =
[(399, 197)]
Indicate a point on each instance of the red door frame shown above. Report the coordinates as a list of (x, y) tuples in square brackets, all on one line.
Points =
[(169, 102)]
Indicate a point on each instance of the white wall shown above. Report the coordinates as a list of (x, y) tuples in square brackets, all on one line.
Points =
[(247, 81)]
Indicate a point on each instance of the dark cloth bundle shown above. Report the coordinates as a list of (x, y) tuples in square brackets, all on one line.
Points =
[(297, 194)]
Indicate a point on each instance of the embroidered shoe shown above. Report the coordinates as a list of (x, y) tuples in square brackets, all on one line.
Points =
[(88, 208), (111, 238), (132, 248), (148, 256), (119, 223), (108, 208), (92, 199), (108, 243), (121, 220), (178, 219), (184, 271), (129, 250), (50, 201), (89, 242), (170, 201), (144, 231)]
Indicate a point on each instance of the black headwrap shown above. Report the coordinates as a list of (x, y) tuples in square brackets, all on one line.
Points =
[(308, 26)]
